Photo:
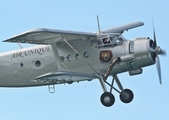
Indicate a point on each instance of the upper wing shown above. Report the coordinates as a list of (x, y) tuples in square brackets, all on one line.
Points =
[(121, 29), (47, 36)]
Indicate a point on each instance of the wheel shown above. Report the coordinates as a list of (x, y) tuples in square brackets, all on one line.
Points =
[(126, 96), (107, 99)]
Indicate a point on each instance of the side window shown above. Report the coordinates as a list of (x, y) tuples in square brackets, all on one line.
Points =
[(106, 40)]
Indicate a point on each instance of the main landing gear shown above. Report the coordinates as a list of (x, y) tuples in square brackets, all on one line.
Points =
[(108, 99)]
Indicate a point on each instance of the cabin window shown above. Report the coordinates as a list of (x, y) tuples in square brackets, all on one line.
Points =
[(77, 56), (62, 58), (21, 64), (86, 54), (37, 63), (69, 57)]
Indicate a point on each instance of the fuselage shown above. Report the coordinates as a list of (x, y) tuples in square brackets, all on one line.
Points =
[(19, 68)]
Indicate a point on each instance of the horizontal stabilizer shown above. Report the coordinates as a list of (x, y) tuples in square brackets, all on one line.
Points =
[(121, 29)]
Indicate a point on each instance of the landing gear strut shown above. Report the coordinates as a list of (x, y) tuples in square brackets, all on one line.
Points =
[(108, 99)]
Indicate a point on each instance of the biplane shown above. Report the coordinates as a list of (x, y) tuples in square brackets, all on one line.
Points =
[(66, 57)]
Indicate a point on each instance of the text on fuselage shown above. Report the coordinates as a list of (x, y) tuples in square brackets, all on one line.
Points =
[(23, 54)]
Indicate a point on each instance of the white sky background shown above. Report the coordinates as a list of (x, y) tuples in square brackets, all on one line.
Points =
[(82, 101)]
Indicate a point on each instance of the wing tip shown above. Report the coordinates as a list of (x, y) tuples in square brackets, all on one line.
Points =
[(26, 32)]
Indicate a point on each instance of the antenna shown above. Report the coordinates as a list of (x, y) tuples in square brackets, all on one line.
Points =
[(98, 25)]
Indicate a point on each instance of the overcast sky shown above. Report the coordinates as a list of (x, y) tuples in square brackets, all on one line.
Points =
[(81, 101)]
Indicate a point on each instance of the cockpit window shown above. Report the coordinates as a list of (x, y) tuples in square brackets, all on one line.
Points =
[(117, 39), (108, 40)]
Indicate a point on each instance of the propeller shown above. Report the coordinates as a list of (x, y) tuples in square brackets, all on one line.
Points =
[(158, 51), (158, 68)]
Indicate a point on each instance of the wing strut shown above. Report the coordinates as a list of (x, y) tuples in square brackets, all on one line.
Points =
[(56, 54), (70, 46)]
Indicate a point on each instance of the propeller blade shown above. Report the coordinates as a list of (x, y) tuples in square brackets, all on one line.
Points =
[(158, 68), (158, 51), (155, 42), (154, 34)]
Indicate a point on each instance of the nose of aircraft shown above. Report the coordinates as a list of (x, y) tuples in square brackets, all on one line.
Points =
[(159, 51)]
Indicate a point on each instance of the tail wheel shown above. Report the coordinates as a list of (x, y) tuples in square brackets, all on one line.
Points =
[(107, 99), (126, 96)]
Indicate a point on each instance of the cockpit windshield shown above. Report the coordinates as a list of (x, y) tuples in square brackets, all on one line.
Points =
[(108, 40)]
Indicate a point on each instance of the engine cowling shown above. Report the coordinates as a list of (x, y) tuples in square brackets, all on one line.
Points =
[(141, 49)]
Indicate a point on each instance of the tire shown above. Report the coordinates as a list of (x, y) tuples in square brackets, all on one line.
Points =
[(126, 96), (107, 99)]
